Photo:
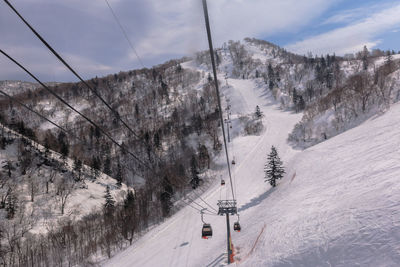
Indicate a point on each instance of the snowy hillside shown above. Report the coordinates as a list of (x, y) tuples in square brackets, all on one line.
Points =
[(328, 210), (337, 205), (18, 87), (46, 188)]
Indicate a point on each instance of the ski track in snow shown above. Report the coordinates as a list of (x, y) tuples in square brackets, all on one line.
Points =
[(338, 204), (161, 246)]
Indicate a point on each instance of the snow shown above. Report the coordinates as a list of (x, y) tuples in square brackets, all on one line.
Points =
[(342, 206), (59, 116), (263, 53), (338, 204), (177, 242), (86, 196)]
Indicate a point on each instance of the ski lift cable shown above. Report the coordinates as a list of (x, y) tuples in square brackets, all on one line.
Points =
[(234, 172), (80, 78), (72, 70), (61, 128), (79, 113), (220, 191), (206, 202), (124, 33), (217, 90), (188, 203), (73, 109), (166, 180), (33, 111)]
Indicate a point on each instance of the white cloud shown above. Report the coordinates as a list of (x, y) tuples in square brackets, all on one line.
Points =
[(353, 37), (179, 26), (48, 65), (158, 29), (347, 16)]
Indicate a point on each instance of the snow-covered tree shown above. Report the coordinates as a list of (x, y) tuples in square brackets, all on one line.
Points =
[(258, 113), (110, 202), (273, 168)]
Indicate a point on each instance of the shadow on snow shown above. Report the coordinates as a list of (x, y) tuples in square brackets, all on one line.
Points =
[(257, 200)]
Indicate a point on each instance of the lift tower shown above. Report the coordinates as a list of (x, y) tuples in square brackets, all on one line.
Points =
[(227, 207)]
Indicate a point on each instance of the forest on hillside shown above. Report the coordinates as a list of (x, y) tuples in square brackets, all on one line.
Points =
[(173, 130)]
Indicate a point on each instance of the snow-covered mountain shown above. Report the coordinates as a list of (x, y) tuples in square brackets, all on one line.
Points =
[(338, 204), (319, 214)]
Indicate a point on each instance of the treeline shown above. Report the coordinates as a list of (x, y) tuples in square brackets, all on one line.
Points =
[(166, 106), (368, 89), (71, 243), (37, 174), (161, 105)]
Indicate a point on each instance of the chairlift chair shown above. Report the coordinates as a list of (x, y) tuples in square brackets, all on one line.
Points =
[(233, 162), (222, 182)]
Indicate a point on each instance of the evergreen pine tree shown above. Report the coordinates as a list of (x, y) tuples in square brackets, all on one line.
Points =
[(110, 202), (156, 138), (271, 85), (301, 105), (119, 175), (193, 169), (295, 97), (273, 168), (389, 61), (209, 78), (64, 150), (107, 165), (165, 197), (78, 169), (258, 113), (277, 76), (11, 205), (271, 74), (96, 166), (365, 54), (129, 200)]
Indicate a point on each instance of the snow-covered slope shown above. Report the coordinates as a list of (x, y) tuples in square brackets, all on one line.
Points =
[(178, 241), (46, 180), (338, 204)]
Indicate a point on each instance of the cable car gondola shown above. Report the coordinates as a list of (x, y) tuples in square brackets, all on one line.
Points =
[(236, 227), (206, 232)]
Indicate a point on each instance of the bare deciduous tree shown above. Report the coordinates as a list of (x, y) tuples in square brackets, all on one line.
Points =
[(63, 191)]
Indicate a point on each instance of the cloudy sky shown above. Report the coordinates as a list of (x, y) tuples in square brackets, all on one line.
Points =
[(87, 36)]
